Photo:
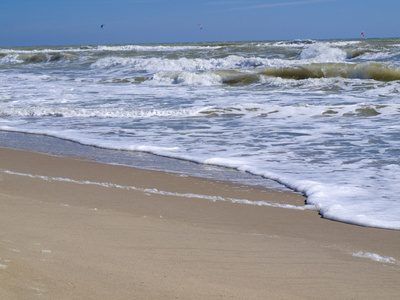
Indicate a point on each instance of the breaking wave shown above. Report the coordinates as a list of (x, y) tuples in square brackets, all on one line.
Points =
[(376, 71), (184, 64), (373, 71), (322, 52)]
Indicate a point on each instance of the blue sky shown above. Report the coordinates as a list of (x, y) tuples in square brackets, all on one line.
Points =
[(77, 22)]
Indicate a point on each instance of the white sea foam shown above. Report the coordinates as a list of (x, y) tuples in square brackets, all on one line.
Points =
[(159, 192), (321, 52), (187, 78), (146, 48), (90, 113), (247, 110), (155, 64), (9, 59), (376, 257)]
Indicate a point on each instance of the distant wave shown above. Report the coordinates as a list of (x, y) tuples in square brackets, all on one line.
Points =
[(231, 70), (33, 58)]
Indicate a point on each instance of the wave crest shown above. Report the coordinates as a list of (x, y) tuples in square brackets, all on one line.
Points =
[(323, 53), (375, 71)]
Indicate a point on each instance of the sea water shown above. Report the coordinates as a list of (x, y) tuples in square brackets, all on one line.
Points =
[(319, 117)]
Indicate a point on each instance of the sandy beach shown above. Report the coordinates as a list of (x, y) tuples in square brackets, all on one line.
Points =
[(74, 229)]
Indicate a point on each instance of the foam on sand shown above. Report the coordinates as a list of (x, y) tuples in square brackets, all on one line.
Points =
[(376, 257)]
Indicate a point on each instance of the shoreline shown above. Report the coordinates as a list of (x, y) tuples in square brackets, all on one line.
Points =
[(81, 238), (143, 160)]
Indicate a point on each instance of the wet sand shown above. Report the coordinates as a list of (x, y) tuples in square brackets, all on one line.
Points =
[(67, 235)]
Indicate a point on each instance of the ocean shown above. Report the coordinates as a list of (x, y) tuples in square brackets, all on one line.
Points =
[(320, 117)]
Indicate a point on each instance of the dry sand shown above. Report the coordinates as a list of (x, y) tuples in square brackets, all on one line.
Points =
[(68, 240)]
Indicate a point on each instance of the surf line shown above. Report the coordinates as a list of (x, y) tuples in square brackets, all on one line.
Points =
[(159, 192)]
